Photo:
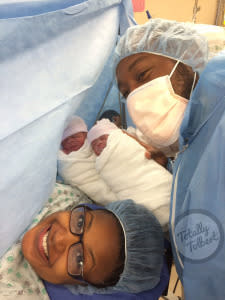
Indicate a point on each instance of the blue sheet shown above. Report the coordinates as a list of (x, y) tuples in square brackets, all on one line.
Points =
[(198, 196), (51, 55)]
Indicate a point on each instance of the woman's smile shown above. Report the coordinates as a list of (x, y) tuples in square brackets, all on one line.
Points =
[(42, 243)]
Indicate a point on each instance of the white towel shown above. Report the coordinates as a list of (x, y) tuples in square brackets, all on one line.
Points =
[(124, 168), (169, 151), (78, 169)]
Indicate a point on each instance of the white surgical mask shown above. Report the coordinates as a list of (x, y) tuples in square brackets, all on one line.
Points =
[(157, 111)]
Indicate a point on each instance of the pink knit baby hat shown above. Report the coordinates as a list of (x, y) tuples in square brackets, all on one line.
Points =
[(75, 125), (102, 127)]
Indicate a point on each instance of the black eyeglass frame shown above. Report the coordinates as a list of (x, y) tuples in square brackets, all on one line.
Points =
[(78, 277)]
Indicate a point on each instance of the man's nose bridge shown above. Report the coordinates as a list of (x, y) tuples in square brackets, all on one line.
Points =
[(132, 86)]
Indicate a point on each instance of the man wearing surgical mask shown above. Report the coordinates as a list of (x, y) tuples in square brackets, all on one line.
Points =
[(156, 73), (173, 95), (156, 99)]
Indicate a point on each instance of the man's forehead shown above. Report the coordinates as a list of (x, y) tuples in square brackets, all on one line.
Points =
[(133, 57), (141, 56), (128, 63)]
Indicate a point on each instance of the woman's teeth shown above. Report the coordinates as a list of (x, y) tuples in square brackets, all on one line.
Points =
[(44, 243)]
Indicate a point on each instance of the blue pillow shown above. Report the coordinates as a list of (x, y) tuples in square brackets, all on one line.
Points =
[(59, 292)]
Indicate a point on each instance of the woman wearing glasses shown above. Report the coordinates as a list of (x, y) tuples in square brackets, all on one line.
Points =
[(75, 247), (88, 248), (98, 249)]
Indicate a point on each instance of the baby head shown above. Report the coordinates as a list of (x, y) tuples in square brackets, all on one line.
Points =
[(74, 135), (98, 135), (113, 116)]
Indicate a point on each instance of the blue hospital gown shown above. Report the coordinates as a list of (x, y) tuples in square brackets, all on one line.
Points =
[(197, 216)]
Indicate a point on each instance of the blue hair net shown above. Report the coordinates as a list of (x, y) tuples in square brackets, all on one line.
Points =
[(177, 40), (143, 250)]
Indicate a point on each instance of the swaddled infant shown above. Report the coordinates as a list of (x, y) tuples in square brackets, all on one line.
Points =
[(122, 165), (76, 163)]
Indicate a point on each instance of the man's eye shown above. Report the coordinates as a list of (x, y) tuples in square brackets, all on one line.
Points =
[(80, 222), (141, 76)]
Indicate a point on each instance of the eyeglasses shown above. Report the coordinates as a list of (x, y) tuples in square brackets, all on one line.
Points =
[(75, 261)]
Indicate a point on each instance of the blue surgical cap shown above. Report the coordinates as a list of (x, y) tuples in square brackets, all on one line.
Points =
[(176, 40), (144, 247)]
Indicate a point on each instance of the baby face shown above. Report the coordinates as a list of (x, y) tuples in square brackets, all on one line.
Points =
[(73, 142), (117, 121), (99, 144)]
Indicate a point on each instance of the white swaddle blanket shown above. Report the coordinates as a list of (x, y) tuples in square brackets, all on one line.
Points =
[(78, 169), (169, 151), (123, 166)]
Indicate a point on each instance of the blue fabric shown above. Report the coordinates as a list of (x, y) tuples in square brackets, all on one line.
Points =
[(179, 41), (51, 54), (16, 9), (93, 206), (198, 197), (59, 292)]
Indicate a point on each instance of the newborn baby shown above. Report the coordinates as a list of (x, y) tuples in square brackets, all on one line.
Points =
[(122, 165), (76, 163), (74, 135)]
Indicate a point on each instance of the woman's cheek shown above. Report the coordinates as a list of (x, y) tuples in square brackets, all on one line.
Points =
[(25, 245), (56, 274)]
